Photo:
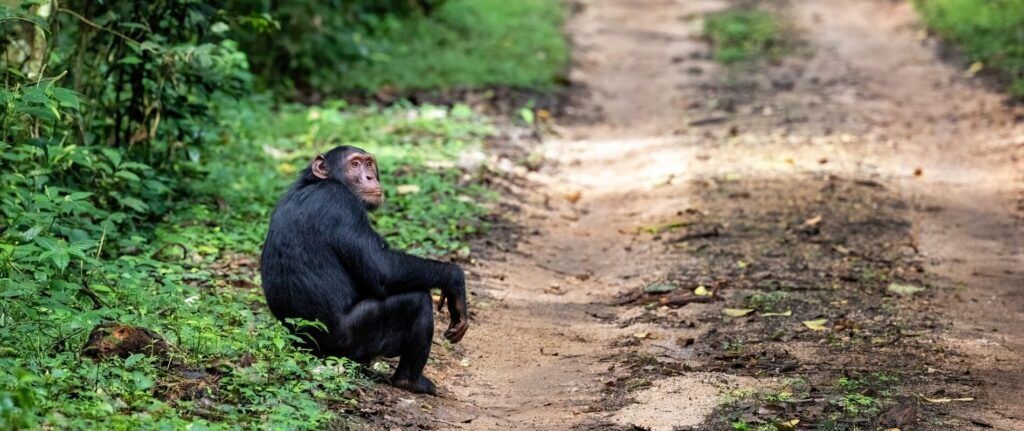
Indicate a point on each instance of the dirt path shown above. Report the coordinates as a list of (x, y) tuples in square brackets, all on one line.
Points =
[(867, 108)]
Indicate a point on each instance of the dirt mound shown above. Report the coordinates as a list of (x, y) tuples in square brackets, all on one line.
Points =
[(113, 339)]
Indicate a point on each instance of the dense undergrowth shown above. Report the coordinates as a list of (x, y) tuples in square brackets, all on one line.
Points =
[(471, 43), (138, 167), (190, 275), (347, 47), (990, 33)]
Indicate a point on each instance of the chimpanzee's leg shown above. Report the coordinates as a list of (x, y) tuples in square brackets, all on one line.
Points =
[(400, 325)]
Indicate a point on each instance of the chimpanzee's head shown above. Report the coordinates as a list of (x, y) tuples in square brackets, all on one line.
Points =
[(354, 168)]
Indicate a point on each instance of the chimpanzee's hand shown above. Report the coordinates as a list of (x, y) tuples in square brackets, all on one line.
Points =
[(457, 310)]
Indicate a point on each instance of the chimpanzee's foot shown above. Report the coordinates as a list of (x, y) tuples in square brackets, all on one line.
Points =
[(422, 385)]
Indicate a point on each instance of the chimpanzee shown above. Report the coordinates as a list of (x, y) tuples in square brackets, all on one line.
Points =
[(323, 261)]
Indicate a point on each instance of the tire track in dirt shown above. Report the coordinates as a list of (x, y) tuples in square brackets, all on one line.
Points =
[(872, 99)]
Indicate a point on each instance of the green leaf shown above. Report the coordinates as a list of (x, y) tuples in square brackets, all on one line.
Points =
[(219, 27), (133, 359), (136, 166), (134, 204), (76, 251), (46, 114), (67, 98), (47, 243), (128, 175), (35, 94), (14, 290), (527, 115), (61, 258), (32, 233), (113, 155), (131, 59), (660, 288)]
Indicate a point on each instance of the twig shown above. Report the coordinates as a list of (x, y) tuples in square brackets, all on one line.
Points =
[(97, 302), (184, 250), (97, 26), (103, 237), (686, 299), (712, 233)]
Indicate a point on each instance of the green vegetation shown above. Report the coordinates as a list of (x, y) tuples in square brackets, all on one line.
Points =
[(471, 43), (352, 46), (171, 276), (745, 35), (306, 47), (137, 172), (989, 32)]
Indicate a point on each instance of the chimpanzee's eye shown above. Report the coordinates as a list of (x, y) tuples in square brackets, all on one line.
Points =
[(355, 163)]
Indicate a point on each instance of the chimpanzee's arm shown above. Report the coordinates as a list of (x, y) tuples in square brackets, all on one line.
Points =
[(380, 271)]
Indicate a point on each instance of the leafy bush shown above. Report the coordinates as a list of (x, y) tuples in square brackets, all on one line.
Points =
[(743, 35), (988, 31), (344, 46), (468, 43), (304, 46), (172, 62)]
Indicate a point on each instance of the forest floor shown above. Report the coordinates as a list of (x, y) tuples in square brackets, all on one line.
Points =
[(807, 201)]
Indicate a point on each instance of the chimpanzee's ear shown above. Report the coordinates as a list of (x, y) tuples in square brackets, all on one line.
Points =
[(319, 167)]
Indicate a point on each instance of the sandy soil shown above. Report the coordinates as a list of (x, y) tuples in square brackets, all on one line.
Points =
[(867, 101)]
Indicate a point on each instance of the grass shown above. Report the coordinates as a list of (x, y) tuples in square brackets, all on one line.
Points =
[(192, 279), (470, 43), (988, 32), (745, 35)]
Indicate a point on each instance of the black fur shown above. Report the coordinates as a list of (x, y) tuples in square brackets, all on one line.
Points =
[(323, 261)]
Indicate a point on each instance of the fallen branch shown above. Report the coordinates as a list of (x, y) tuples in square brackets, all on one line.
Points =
[(681, 300), (712, 233)]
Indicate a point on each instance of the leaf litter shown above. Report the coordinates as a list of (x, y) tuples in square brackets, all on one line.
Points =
[(806, 297)]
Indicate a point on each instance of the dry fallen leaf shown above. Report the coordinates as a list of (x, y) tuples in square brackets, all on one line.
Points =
[(405, 189), (813, 221), (737, 312), (974, 69), (573, 196), (787, 425), (904, 289), (655, 229), (816, 325), (947, 400), (701, 291), (786, 313)]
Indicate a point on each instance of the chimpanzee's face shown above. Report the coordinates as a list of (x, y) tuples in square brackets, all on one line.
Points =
[(360, 171), (356, 169)]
